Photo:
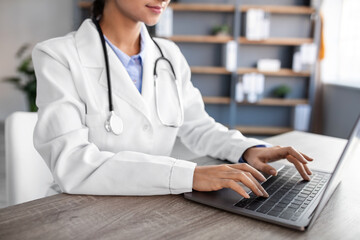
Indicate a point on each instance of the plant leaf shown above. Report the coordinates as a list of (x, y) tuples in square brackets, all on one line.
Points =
[(24, 66), (22, 49)]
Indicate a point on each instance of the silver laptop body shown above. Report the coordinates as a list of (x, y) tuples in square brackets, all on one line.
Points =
[(301, 210)]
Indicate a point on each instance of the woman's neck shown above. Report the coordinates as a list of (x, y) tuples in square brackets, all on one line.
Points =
[(120, 30)]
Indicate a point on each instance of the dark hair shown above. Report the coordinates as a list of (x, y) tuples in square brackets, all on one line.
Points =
[(97, 8)]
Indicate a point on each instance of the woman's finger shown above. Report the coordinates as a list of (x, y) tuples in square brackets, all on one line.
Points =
[(247, 168), (238, 175), (265, 168), (307, 169), (265, 194), (242, 177), (299, 166), (227, 183), (291, 151), (307, 157)]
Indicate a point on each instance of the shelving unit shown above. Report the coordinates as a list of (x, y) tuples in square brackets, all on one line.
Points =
[(285, 73), (204, 75)]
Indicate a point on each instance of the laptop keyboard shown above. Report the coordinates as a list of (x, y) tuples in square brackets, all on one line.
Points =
[(289, 195)]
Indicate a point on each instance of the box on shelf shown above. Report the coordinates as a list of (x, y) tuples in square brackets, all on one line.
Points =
[(304, 58), (229, 56), (268, 65), (239, 92), (301, 117), (257, 24), (253, 86)]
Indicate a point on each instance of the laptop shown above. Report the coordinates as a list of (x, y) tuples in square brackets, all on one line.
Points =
[(292, 202)]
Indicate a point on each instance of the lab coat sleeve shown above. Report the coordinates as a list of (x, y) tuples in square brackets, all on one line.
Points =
[(77, 165), (201, 133)]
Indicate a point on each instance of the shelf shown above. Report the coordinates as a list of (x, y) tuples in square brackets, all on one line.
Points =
[(201, 39), (284, 72), (277, 41), (242, 40), (209, 70), (263, 102), (280, 9), (277, 102), (84, 4), (243, 8), (202, 7), (216, 100), (260, 130)]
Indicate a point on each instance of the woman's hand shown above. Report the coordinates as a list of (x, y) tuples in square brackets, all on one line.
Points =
[(212, 178), (258, 157)]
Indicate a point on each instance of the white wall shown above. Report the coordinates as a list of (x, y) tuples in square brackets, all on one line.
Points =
[(24, 21)]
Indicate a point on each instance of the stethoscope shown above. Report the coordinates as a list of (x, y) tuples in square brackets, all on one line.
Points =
[(114, 123)]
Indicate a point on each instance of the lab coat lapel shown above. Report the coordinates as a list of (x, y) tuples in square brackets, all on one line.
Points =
[(92, 57), (122, 85), (150, 56)]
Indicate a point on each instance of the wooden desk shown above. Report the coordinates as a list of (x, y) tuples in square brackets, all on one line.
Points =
[(173, 217)]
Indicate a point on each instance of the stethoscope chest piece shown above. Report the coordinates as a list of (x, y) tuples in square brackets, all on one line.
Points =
[(114, 124)]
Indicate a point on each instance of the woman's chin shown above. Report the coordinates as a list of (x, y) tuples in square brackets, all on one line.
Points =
[(151, 22)]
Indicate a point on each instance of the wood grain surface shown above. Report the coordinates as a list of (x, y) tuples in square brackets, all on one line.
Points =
[(173, 217)]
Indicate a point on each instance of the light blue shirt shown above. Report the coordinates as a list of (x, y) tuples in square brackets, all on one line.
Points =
[(133, 64)]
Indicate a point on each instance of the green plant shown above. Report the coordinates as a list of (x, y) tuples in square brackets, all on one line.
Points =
[(221, 30), (26, 79), (281, 91)]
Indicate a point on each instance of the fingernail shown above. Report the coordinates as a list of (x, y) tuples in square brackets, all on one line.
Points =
[(273, 172), (247, 195)]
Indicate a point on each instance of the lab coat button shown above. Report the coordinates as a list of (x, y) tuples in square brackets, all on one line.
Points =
[(146, 127)]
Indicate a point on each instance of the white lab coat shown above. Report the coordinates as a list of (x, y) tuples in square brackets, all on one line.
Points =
[(73, 105)]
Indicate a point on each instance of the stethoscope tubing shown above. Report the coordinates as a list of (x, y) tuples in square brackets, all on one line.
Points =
[(108, 77)]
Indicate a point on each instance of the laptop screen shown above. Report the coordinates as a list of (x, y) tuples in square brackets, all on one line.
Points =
[(350, 153)]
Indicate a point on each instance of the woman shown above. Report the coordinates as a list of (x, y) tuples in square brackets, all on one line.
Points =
[(130, 155)]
